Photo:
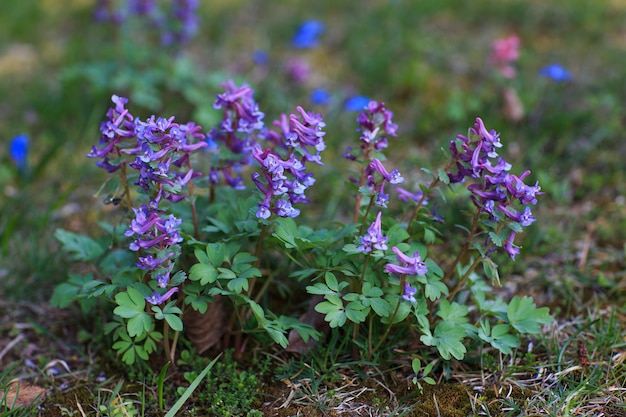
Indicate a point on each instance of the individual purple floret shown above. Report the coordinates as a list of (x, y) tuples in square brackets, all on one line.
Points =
[(409, 292), (392, 177), (409, 265), (373, 239), (156, 298)]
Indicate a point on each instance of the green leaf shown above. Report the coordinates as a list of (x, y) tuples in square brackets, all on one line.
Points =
[(380, 306), (130, 303), (319, 289), (447, 339), (139, 324), (206, 274), (331, 281), (67, 292), (443, 176), (498, 337), (81, 248), (216, 252), (174, 322), (452, 312), (335, 314), (434, 288), (491, 270), (286, 232), (238, 285), (524, 315), (356, 312)]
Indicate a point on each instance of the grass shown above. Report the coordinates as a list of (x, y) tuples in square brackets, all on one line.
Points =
[(428, 62)]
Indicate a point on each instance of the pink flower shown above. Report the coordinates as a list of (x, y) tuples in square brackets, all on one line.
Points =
[(504, 52)]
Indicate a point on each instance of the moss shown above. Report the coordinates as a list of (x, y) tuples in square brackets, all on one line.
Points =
[(68, 400)]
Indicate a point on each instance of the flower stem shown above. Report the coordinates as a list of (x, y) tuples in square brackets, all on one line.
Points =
[(384, 336)]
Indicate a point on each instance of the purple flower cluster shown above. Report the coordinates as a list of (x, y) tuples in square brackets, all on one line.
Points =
[(177, 26), (161, 150), (302, 137), (374, 238), (242, 122), (184, 24), (495, 191), (157, 237), (375, 126)]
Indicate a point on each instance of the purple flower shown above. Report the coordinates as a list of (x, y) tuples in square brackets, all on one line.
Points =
[(555, 72), (374, 238), (156, 298), (510, 247), (409, 265), (307, 34), (18, 151), (525, 218), (298, 69), (409, 293), (405, 196), (153, 230), (356, 103), (392, 177)]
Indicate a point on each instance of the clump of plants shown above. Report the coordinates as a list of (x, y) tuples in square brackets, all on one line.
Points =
[(212, 226), (227, 390)]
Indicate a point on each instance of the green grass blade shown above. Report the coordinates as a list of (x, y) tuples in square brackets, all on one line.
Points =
[(191, 388)]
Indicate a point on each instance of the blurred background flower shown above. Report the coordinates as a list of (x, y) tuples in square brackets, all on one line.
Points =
[(356, 103), (320, 97), (18, 151), (307, 34), (504, 52), (555, 72)]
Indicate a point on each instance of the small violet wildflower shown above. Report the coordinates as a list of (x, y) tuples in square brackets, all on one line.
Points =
[(409, 293), (373, 239), (409, 265), (555, 72), (156, 298)]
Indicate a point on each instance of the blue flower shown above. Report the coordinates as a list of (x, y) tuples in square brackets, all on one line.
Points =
[(260, 57), (320, 97), (18, 150), (356, 103), (556, 72), (306, 36)]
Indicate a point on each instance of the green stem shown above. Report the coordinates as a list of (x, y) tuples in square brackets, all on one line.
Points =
[(384, 336)]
